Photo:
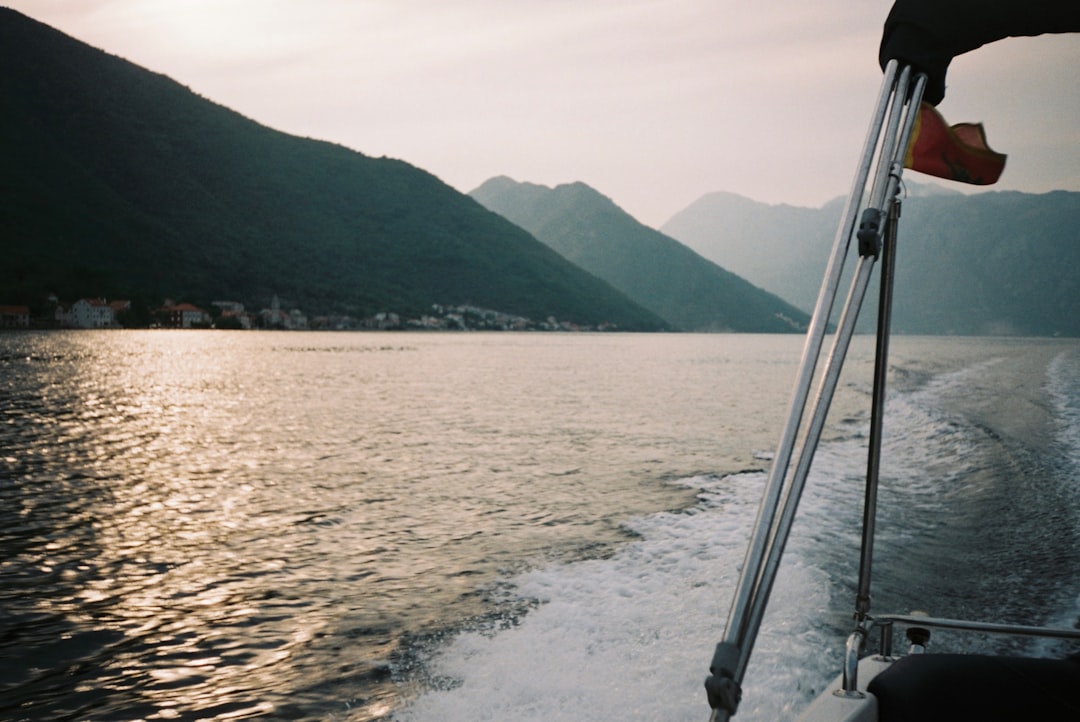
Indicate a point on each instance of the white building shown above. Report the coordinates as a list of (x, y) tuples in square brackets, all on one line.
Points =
[(90, 313), (186, 315)]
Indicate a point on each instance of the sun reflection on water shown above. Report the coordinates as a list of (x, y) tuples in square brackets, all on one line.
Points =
[(169, 565), (215, 525)]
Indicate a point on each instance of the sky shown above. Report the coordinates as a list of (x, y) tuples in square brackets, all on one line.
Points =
[(653, 103)]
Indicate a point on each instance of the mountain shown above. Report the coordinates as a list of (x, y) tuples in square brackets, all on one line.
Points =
[(115, 180), (686, 290), (776, 247), (997, 263)]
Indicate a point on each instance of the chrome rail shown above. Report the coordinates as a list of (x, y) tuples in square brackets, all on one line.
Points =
[(886, 622), (849, 684)]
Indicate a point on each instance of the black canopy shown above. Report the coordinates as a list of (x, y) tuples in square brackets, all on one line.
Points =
[(928, 34)]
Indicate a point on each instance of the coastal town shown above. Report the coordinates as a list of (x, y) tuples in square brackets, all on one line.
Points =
[(100, 313)]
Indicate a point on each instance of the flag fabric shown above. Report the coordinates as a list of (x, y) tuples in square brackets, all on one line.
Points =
[(958, 153)]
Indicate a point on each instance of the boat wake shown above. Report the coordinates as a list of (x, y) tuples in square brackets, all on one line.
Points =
[(622, 637), (1063, 385), (616, 637)]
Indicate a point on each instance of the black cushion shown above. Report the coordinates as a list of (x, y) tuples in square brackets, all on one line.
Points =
[(940, 687)]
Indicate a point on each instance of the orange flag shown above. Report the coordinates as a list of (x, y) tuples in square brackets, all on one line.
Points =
[(959, 153)]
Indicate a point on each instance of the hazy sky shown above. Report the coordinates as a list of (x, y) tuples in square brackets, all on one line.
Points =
[(652, 102)]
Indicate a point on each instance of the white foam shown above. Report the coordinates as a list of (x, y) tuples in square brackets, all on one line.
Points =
[(1063, 385), (630, 637), (620, 638)]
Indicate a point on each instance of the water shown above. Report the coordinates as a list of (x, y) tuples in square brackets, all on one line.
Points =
[(218, 525)]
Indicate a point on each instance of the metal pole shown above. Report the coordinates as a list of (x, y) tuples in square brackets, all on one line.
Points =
[(988, 627), (766, 545), (884, 322), (724, 684), (877, 407), (829, 380), (824, 399), (889, 146), (804, 378)]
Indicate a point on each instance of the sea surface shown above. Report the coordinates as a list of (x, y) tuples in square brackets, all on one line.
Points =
[(417, 527)]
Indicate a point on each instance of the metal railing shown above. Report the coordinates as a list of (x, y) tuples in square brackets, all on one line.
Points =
[(886, 622), (886, 142)]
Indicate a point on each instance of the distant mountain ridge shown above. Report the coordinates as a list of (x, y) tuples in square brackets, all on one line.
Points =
[(688, 291), (995, 263), (778, 247), (115, 180)]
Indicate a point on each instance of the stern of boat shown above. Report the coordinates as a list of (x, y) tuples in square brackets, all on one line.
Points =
[(836, 705)]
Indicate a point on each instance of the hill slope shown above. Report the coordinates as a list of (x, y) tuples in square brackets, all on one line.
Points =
[(119, 181), (778, 247), (991, 263), (686, 290)]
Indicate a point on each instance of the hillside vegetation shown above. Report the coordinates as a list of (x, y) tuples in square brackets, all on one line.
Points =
[(116, 181), (996, 263), (685, 289)]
